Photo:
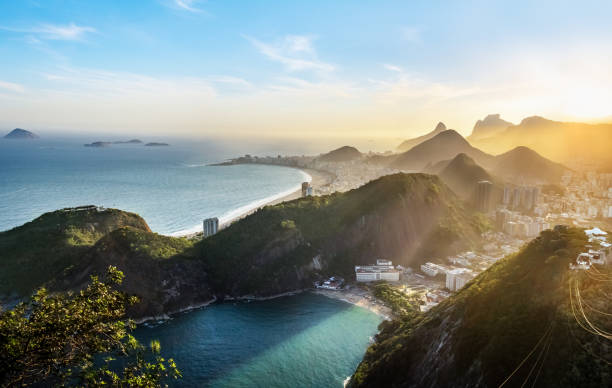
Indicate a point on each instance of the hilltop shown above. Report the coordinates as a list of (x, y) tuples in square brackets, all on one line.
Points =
[(280, 248), (514, 321), (556, 140), (342, 154), (408, 144), (40, 250), (462, 174), (525, 166), (19, 133), (488, 127), (444, 146)]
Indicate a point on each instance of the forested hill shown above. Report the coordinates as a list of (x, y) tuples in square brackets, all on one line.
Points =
[(402, 217), (520, 322)]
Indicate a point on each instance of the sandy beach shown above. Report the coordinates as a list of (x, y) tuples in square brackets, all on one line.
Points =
[(318, 180), (358, 297)]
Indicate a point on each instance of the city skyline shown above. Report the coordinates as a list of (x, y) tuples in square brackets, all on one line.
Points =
[(201, 68)]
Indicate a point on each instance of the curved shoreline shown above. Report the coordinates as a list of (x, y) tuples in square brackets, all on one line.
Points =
[(315, 177)]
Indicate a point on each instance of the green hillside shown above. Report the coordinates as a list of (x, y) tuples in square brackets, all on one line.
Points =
[(403, 217), (515, 321), (407, 218), (40, 250)]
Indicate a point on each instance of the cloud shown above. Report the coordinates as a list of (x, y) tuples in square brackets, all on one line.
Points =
[(101, 83), (393, 68), (294, 51), (71, 32), (187, 5), (13, 87)]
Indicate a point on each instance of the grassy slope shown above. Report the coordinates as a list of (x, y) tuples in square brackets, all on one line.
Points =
[(41, 249), (484, 331)]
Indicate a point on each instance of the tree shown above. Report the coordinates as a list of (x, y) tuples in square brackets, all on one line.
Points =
[(73, 339)]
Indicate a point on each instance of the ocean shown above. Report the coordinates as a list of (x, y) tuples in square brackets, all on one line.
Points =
[(305, 340), (173, 188)]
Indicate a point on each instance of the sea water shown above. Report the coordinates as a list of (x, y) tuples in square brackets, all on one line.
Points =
[(296, 341), (305, 340), (173, 188)]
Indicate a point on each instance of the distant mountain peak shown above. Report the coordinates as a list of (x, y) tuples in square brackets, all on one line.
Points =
[(491, 125), (342, 154), (440, 127), (535, 120), (19, 133), (408, 144)]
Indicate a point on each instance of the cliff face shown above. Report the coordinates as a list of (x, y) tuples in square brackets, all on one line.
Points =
[(162, 271), (479, 336)]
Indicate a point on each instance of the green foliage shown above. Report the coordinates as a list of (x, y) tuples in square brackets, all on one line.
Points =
[(54, 339), (288, 224), (403, 306), (492, 323), (34, 253)]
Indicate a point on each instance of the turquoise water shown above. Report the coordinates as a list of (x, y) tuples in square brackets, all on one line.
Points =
[(171, 187), (300, 341), (305, 340)]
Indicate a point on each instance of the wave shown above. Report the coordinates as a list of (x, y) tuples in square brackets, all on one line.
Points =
[(234, 214)]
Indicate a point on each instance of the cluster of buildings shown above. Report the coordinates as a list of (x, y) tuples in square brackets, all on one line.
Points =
[(382, 270), (599, 255), (514, 223), (333, 283), (587, 196), (456, 278)]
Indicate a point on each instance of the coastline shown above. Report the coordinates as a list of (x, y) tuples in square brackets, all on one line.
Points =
[(358, 297), (316, 178)]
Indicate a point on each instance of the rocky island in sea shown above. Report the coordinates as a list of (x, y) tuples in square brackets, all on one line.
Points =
[(154, 144), (133, 141), (19, 133), (98, 144)]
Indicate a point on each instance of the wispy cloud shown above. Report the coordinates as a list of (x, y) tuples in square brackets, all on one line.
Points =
[(187, 5), (296, 52), (13, 87), (394, 68), (53, 32)]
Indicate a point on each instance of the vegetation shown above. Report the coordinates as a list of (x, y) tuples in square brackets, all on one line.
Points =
[(42, 249), (403, 217), (377, 219), (484, 332), (404, 306), (72, 339)]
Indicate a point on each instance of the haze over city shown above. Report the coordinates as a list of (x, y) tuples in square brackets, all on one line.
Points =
[(388, 69)]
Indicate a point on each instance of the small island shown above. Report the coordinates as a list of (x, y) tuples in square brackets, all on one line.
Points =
[(133, 141), (156, 144), (98, 144), (23, 134)]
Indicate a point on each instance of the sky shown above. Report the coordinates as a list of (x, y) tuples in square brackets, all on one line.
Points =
[(345, 68)]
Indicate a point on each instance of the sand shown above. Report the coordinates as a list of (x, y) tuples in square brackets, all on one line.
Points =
[(358, 297)]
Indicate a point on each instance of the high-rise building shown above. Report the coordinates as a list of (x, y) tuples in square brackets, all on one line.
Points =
[(305, 186), (507, 195), (483, 196), (516, 198), (501, 217), (211, 226)]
